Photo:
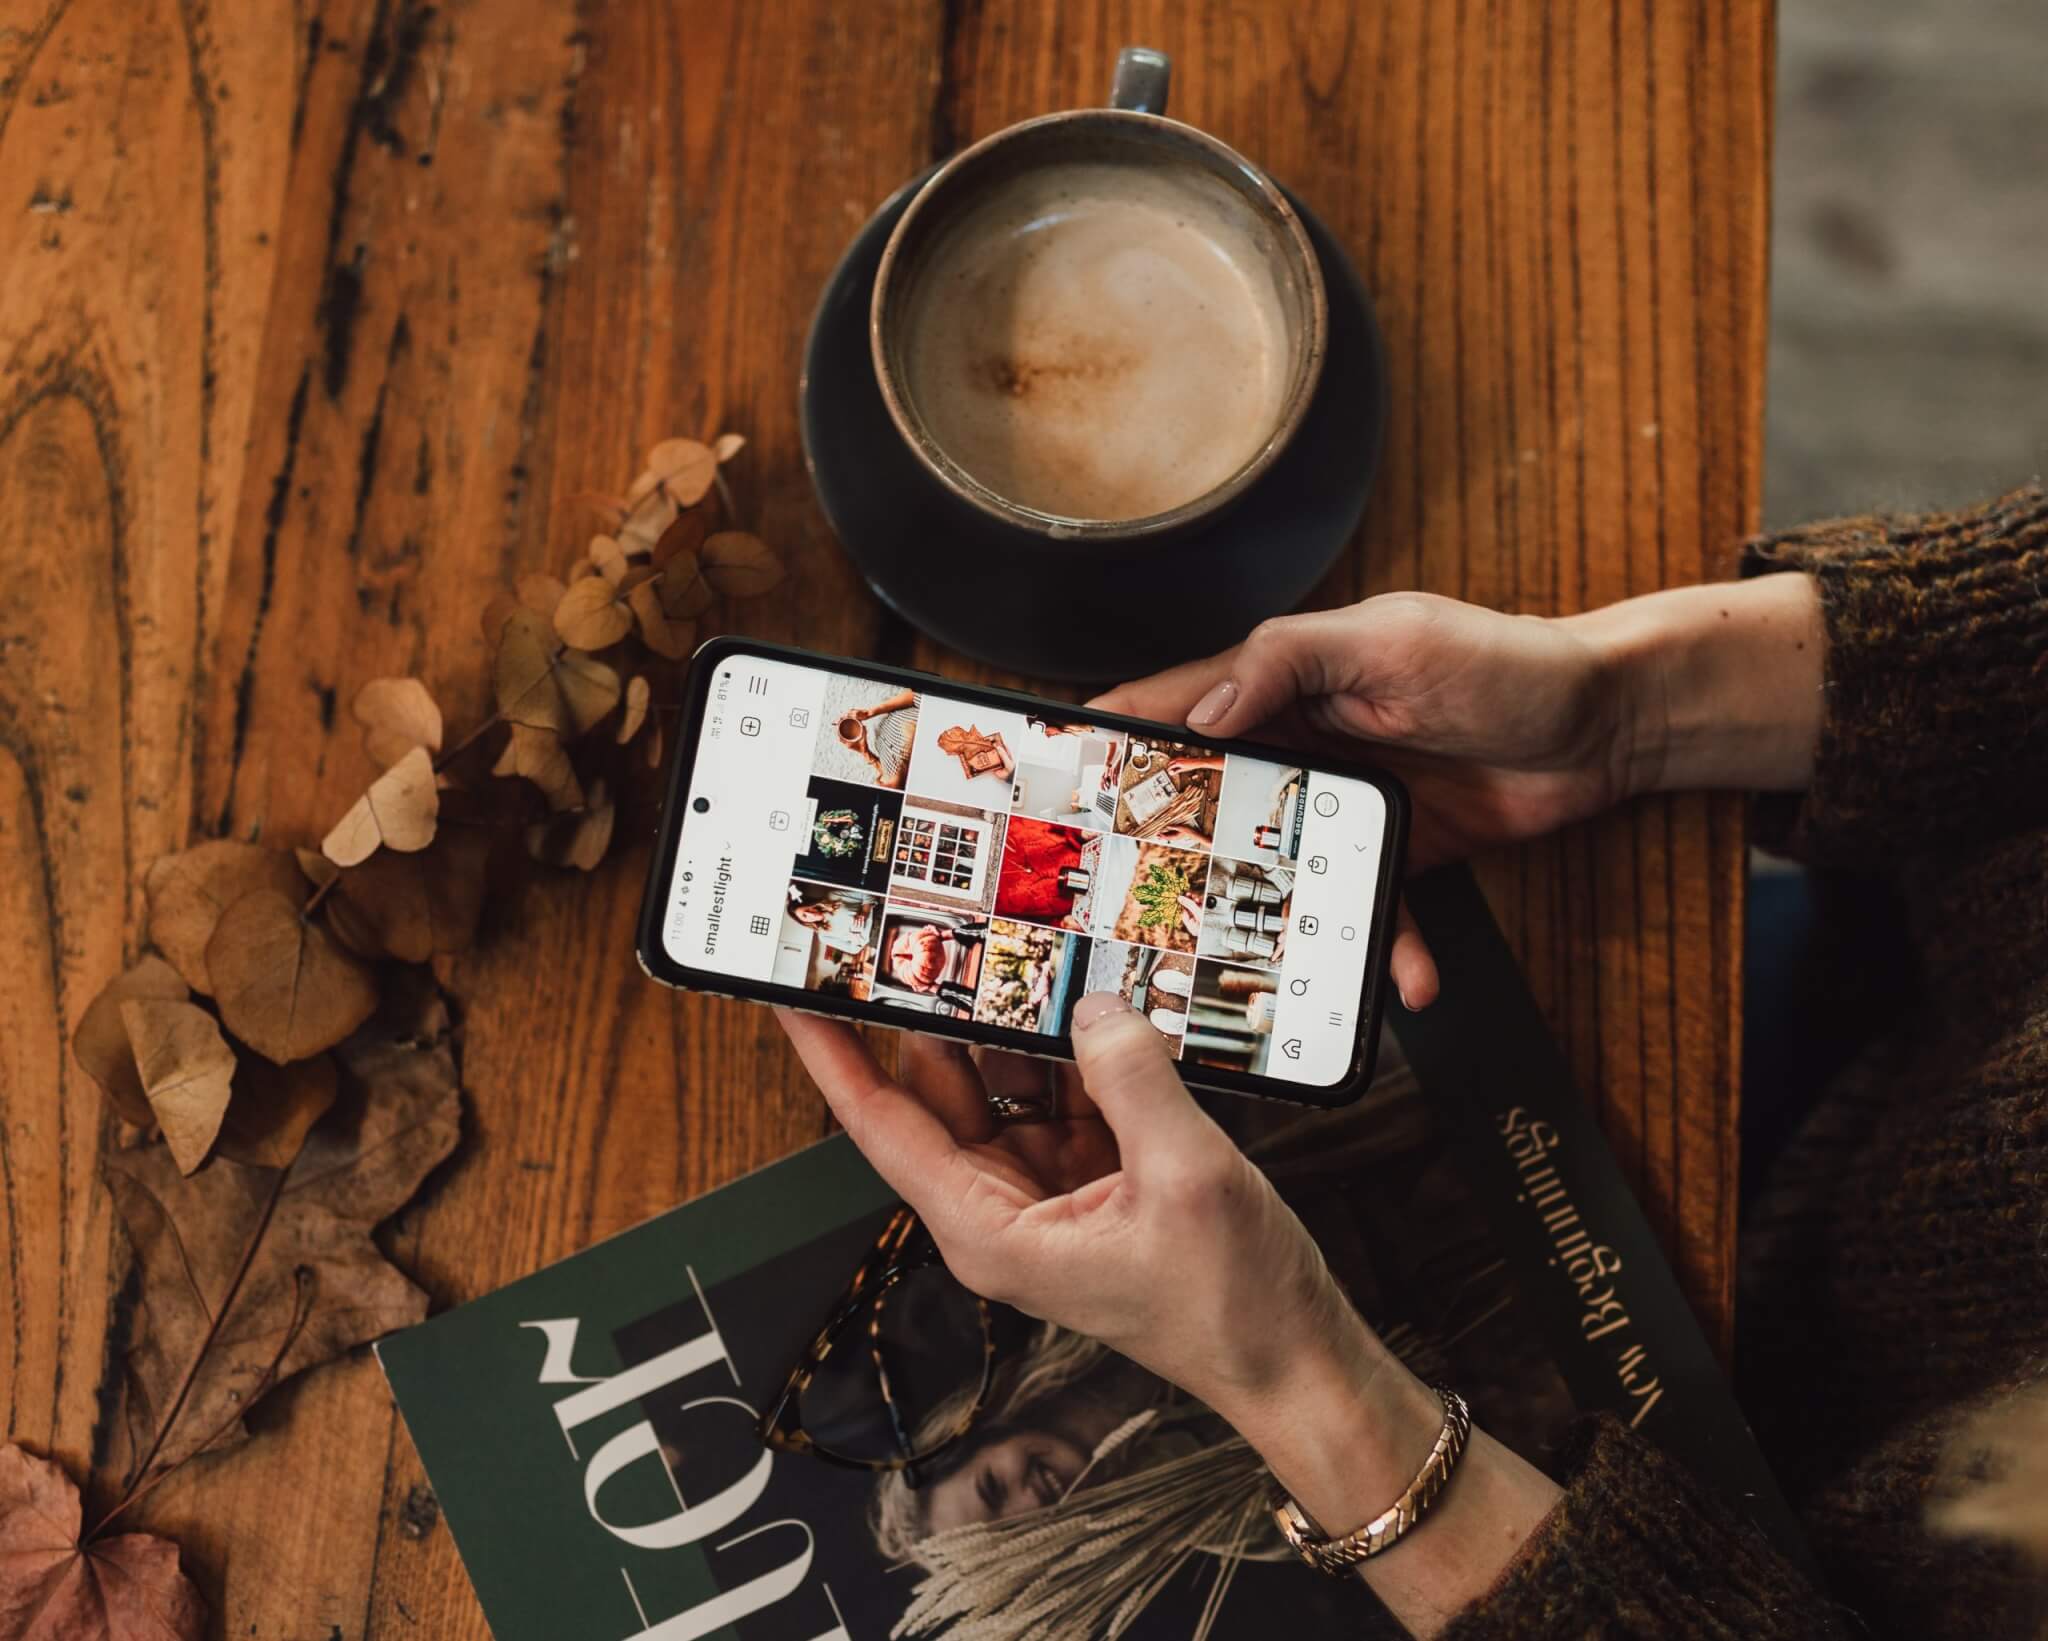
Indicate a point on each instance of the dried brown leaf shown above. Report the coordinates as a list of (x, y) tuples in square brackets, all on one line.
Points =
[(496, 612), (276, 1106), (540, 592), (638, 694), (319, 870), (591, 616), (646, 522), (684, 536), (537, 755), (672, 639), (726, 446), (413, 907), (609, 557), (397, 714), (125, 1588), (398, 812), (683, 467), (577, 838), (609, 509), (653, 745), (283, 1258), (187, 1072), (284, 987), (739, 565), (100, 1044), (544, 686), (188, 891)]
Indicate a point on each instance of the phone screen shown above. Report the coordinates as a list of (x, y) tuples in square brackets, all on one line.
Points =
[(985, 866)]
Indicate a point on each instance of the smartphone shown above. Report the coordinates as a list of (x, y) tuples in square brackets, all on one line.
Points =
[(891, 847)]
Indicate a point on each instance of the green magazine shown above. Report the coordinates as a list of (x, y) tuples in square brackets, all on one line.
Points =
[(590, 1430)]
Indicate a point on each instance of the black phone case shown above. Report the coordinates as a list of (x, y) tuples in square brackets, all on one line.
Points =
[(658, 965)]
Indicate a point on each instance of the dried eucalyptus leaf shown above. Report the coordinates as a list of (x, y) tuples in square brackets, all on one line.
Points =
[(671, 639), (100, 1044), (187, 892), (496, 612), (413, 907), (726, 446), (683, 537), (398, 812), (319, 870), (540, 592), (274, 1107), (187, 1072), (577, 838), (647, 522), (683, 467), (397, 714), (537, 755), (609, 557), (590, 616), (638, 694), (542, 685), (284, 987), (739, 565)]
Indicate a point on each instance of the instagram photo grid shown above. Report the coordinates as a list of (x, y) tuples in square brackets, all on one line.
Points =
[(977, 863)]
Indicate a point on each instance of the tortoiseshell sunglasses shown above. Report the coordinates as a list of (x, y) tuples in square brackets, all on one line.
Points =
[(904, 1341)]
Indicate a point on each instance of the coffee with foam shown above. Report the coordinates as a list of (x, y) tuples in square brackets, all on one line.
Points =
[(1100, 340)]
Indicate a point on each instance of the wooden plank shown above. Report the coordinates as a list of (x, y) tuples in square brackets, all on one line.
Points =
[(451, 268)]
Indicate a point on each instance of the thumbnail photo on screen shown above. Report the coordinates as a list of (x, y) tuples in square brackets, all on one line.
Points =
[(829, 940), (1168, 793), (1048, 873), (1069, 774), (1157, 984), (1230, 1017), (865, 732), (1259, 817), (1245, 913), (846, 834)]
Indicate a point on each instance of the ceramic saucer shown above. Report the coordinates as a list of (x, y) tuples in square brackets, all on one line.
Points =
[(1099, 611)]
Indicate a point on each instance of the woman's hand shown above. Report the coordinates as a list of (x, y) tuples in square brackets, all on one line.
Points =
[(1503, 727), (1507, 727), (1134, 1219)]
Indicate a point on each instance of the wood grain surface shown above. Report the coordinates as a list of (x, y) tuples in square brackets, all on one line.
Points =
[(315, 319)]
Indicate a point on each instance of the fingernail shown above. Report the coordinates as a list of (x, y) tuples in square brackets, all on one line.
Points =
[(1095, 1006), (1211, 708)]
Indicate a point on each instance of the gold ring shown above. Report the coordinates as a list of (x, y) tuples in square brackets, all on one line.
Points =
[(1019, 1108)]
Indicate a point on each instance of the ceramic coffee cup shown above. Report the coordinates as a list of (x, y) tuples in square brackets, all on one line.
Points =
[(1099, 324)]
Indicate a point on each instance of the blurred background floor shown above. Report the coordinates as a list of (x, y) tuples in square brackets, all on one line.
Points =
[(1909, 272), (1908, 370)]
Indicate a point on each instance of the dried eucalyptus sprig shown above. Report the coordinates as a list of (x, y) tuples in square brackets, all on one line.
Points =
[(280, 988)]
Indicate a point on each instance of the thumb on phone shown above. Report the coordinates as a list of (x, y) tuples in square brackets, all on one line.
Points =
[(1130, 1075)]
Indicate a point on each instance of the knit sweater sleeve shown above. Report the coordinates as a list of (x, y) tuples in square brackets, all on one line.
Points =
[(1935, 728), (1637, 1547)]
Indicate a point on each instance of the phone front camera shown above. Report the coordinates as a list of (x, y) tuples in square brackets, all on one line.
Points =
[(701, 805)]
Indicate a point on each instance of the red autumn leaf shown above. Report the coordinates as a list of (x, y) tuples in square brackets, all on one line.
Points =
[(52, 1588)]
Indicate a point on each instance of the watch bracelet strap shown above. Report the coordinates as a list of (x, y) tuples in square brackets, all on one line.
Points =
[(1339, 1555)]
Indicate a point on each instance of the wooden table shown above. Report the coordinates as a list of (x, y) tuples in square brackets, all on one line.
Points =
[(313, 325)]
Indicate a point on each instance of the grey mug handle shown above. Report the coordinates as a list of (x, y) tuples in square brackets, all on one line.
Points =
[(1142, 79)]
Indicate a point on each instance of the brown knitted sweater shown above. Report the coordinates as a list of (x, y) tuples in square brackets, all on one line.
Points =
[(1896, 1276)]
